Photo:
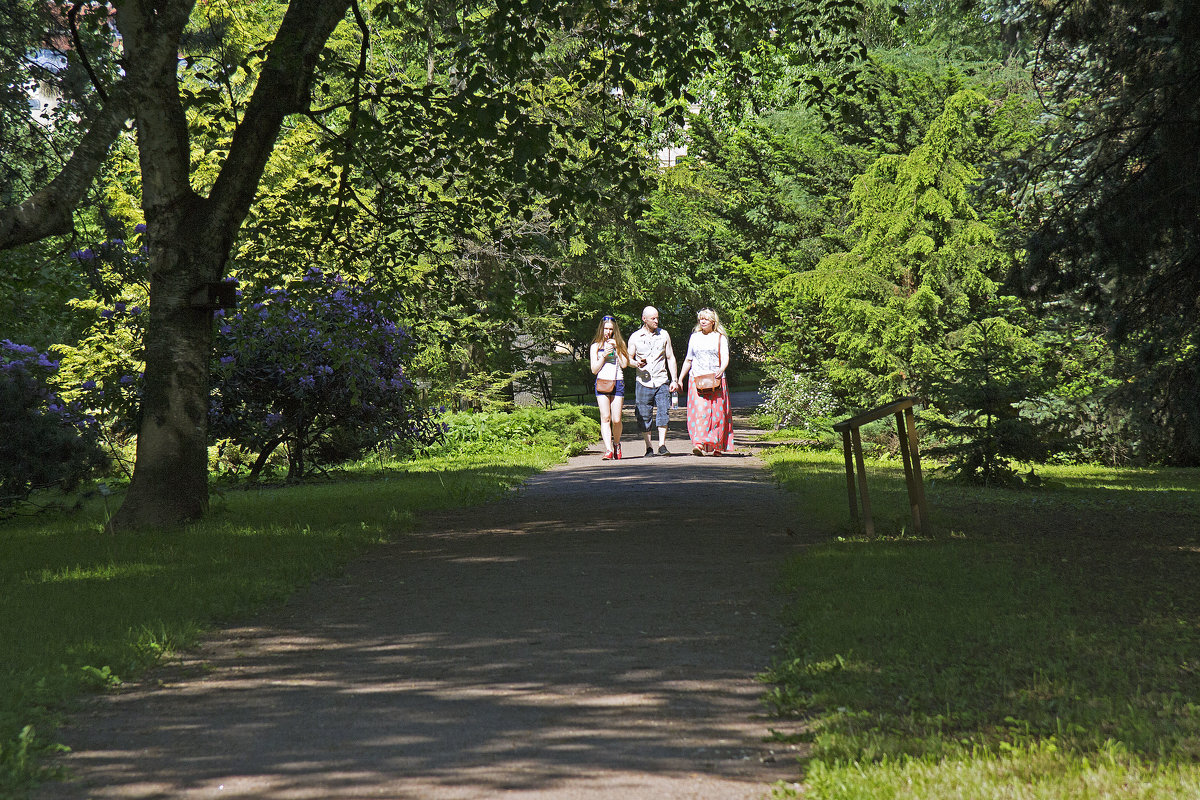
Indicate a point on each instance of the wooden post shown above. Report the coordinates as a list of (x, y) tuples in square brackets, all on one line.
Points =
[(914, 453), (848, 450), (868, 523), (906, 427), (902, 435)]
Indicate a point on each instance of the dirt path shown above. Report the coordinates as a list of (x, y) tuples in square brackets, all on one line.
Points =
[(594, 635)]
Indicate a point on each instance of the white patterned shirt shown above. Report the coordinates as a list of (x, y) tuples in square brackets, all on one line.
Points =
[(652, 347)]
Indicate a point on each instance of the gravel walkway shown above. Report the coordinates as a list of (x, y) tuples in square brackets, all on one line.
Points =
[(594, 635)]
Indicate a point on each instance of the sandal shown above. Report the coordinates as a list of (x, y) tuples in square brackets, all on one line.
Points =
[(696, 451)]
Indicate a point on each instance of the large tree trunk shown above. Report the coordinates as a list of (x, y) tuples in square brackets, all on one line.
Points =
[(190, 237), (170, 479)]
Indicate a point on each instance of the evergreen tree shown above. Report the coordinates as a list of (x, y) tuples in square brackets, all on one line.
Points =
[(924, 261), (978, 396), (1115, 195)]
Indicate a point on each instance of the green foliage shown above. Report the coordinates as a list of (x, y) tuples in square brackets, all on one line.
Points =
[(979, 391), (571, 427), (797, 401), (1114, 197), (36, 284), (102, 368), (922, 265)]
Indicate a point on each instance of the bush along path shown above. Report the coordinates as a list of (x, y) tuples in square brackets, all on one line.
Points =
[(595, 634)]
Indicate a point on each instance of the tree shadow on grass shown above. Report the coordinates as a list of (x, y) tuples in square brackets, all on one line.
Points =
[(602, 624), (1068, 613)]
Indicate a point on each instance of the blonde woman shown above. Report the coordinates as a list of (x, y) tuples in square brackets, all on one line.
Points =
[(609, 357), (710, 426)]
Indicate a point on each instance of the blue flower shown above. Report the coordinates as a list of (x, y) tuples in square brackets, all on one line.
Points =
[(24, 349), (139, 228)]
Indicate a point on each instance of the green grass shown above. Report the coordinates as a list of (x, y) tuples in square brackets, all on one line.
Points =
[(1046, 644), (84, 609)]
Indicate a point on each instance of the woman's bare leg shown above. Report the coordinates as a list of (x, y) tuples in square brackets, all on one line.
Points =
[(615, 416), (603, 402)]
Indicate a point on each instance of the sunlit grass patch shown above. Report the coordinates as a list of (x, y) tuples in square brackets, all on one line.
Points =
[(1048, 647), (1037, 772)]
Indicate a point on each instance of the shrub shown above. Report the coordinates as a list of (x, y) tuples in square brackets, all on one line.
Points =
[(571, 426), (797, 400), (977, 405), (102, 371), (319, 368), (44, 442)]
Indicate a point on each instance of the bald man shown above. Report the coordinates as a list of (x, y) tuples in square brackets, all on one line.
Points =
[(657, 376)]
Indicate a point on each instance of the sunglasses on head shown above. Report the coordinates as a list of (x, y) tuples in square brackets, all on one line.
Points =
[(607, 318)]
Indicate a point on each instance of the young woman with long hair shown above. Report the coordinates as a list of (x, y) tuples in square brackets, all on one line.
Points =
[(609, 357)]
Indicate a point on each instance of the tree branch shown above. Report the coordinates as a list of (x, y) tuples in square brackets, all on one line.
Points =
[(282, 90), (48, 211), (73, 20)]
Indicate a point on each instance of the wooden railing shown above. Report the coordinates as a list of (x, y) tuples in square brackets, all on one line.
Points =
[(852, 447)]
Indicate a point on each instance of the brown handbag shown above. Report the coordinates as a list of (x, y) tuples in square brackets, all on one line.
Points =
[(707, 383)]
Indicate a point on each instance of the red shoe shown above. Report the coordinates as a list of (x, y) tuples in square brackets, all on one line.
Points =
[(618, 451), (608, 456)]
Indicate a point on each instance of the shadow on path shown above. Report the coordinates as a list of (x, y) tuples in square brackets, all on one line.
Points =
[(593, 635)]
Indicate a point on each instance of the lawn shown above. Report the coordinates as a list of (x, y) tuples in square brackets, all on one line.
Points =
[(1042, 644)]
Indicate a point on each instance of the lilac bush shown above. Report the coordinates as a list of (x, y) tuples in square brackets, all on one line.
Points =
[(318, 368), (44, 441)]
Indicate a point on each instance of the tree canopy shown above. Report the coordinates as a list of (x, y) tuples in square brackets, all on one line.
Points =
[(865, 184)]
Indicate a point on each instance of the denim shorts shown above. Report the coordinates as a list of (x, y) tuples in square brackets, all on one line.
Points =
[(651, 405), (618, 390)]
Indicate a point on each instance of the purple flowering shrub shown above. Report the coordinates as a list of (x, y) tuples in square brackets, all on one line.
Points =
[(317, 368), (44, 442)]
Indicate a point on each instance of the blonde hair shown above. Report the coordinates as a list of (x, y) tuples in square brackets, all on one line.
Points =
[(708, 313), (622, 352)]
